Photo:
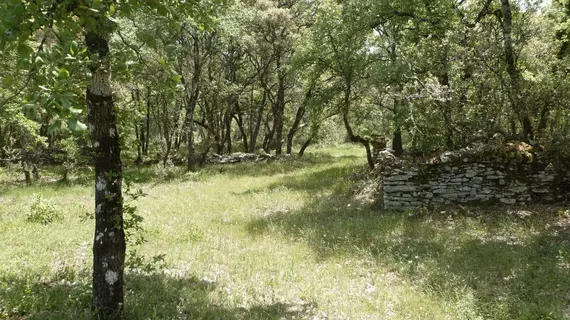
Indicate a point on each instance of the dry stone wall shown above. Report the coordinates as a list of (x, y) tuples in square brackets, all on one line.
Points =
[(472, 182)]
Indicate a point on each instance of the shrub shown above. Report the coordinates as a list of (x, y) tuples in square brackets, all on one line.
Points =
[(43, 211)]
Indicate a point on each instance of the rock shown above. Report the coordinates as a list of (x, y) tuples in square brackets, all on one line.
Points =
[(398, 177), (508, 201), (405, 188), (470, 174), (540, 190)]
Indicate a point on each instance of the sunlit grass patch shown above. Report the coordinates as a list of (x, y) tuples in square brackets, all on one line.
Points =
[(286, 240)]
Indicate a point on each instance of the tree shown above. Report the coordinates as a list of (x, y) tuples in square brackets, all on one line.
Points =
[(96, 21)]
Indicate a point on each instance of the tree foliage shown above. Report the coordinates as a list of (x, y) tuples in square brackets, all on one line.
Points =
[(192, 78)]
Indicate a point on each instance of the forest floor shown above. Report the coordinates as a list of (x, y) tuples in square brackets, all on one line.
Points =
[(284, 240)]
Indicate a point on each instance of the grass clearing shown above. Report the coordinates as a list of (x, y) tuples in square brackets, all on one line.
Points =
[(284, 240)]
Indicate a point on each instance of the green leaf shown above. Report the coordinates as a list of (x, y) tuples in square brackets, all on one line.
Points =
[(24, 50), (54, 126), (65, 103), (73, 48), (176, 78), (76, 125), (30, 110), (75, 111), (8, 80), (63, 73)]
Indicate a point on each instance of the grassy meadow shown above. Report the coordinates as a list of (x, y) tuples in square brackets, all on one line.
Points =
[(287, 239)]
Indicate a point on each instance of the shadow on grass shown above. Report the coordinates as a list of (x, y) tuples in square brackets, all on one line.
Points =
[(514, 268), (154, 296), (84, 176), (275, 167), (336, 177)]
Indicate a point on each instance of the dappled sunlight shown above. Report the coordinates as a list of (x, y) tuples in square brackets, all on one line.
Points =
[(510, 266), (296, 243)]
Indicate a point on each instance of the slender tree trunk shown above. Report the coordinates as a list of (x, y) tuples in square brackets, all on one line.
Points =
[(397, 145), (35, 172), (518, 105), (166, 129), (147, 125), (239, 120), (268, 138), (139, 131), (242, 131), (445, 106), (228, 129), (191, 161), (139, 136), (304, 146), (192, 95), (350, 132), (257, 126), (298, 117), (27, 172), (278, 116), (109, 240)]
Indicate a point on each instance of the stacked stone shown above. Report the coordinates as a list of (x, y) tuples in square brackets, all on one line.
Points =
[(378, 144), (237, 158), (468, 183)]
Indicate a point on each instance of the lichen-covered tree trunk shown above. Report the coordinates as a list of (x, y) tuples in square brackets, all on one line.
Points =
[(109, 239)]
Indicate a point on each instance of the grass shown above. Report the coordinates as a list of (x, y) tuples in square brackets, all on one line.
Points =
[(285, 240)]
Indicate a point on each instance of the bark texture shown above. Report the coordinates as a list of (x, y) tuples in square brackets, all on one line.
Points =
[(109, 240)]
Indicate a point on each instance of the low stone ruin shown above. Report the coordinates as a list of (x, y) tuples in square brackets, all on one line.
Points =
[(238, 157), (509, 174)]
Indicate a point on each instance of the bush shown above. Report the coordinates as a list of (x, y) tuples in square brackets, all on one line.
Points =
[(43, 211)]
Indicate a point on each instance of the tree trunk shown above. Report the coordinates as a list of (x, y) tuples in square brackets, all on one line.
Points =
[(298, 117), (192, 94), (295, 127), (446, 109), (35, 172), (191, 161), (397, 145), (350, 133), (518, 105), (257, 126), (139, 132), (27, 172), (279, 112), (304, 146), (109, 240), (147, 125), (242, 131), (139, 136), (228, 129)]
